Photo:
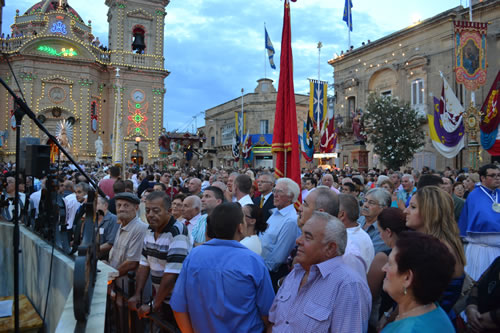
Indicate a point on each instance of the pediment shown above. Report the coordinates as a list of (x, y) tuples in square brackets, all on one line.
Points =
[(140, 14), (56, 80)]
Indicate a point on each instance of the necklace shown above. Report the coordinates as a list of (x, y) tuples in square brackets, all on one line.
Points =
[(404, 314)]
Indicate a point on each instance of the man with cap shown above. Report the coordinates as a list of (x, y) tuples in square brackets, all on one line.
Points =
[(127, 248)]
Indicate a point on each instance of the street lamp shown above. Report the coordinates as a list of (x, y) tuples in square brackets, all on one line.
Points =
[(137, 141)]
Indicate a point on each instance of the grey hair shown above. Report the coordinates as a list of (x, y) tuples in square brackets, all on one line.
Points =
[(84, 186), (269, 175), (293, 188), (327, 200), (381, 178), (381, 196), (334, 231), (410, 177), (196, 202)]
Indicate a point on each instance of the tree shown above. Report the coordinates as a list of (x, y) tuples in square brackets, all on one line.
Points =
[(393, 127)]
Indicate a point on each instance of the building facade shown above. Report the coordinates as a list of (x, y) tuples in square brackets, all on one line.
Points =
[(258, 108), (407, 65), (114, 92)]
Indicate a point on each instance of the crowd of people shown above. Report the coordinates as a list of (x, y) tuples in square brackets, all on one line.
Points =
[(241, 251)]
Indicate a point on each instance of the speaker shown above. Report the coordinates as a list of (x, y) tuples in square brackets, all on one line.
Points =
[(25, 141), (37, 160)]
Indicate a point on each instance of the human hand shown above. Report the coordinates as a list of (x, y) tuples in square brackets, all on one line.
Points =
[(143, 311), (133, 302), (474, 322)]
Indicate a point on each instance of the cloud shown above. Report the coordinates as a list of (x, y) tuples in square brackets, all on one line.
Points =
[(213, 48)]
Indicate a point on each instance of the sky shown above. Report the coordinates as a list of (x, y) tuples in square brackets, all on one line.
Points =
[(214, 48)]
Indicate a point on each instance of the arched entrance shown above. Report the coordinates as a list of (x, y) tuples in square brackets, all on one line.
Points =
[(136, 155)]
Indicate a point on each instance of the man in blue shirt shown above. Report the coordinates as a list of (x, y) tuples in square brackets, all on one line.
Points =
[(223, 286), (282, 231)]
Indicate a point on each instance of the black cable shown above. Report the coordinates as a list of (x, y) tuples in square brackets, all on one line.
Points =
[(14, 75)]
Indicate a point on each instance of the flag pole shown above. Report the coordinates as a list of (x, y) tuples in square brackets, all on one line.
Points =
[(349, 25), (472, 94), (265, 52), (241, 128)]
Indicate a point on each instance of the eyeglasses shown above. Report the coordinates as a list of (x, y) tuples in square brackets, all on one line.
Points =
[(264, 182), (248, 217), (276, 191), (495, 175)]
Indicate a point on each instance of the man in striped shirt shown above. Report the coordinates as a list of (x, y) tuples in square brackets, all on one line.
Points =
[(166, 245)]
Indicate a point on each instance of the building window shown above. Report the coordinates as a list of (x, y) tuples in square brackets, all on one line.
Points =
[(417, 96), (212, 141), (386, 93), (351, 105), (264, 127), (417, 92), (459, 92), (227, 132)]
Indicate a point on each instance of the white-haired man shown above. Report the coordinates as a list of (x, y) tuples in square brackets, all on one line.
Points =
[(279, 238), (321, 293), (405, 194)]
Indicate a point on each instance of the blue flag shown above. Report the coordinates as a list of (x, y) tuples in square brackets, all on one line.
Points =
[(348, 13), (270, 50)]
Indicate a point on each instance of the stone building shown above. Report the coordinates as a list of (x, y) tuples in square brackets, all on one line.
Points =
[(259, 108), (406, 64), (114, 92)]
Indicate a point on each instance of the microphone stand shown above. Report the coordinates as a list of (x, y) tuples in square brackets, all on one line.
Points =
[(21, 109)]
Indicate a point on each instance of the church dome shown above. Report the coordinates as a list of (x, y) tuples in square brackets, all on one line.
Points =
[(52, 6)]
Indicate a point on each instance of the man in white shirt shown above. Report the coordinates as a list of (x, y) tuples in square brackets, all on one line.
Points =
[(358, 240), (191, 213), (242, 186)]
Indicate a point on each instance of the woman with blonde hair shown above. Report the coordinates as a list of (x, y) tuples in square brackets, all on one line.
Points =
[(431, 212)]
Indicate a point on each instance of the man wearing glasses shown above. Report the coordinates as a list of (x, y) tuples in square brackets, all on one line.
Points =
[(479, 222), (375, 201), (265, 201)]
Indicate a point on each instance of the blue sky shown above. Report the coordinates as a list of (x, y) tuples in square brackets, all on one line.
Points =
[(213, 48)]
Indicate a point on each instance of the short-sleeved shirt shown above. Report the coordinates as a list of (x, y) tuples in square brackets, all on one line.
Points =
[(224, 287), (128, 243), (108, 228), (166, 253), (372, 231)]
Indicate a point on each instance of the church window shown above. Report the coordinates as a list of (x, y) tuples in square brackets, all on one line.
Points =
[(264, 127)]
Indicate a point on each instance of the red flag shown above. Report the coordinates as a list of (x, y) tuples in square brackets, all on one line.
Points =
[(329, 137), (285, 136)]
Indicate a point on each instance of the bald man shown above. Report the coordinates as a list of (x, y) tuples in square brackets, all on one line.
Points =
[(194, 186), (327, 180)]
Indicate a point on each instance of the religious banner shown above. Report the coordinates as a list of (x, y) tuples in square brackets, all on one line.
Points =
[(93, 116), (328, 134), (446, 124), (490, 120), (470, 53), (307, 142), (318, 102)]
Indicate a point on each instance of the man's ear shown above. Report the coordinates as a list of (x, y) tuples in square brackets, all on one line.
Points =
[(331, 249)]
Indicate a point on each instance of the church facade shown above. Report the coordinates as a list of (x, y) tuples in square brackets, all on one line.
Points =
[(112, 93)]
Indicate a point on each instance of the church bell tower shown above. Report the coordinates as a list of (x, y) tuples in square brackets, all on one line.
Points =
[(136, 39)]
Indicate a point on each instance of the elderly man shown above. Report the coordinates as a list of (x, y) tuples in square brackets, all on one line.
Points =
[(396, 180), (479, 222), (358, 241), (321, 293), (126, 252), (279, 238), (165, 247), (229, 194), (376, 200), (223, 286), (212, 197), (327, 180), (108, 227), (265, 201), (194, 186), (242, 186), (405, 194), (191, 213), (322, 199)]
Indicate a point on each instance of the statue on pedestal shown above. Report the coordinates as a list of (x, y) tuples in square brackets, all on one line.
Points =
[(98, 149)]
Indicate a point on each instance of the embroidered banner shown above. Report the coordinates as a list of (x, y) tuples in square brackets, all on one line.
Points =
[(470, 53)]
